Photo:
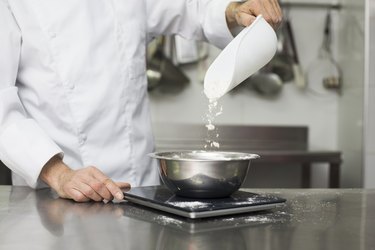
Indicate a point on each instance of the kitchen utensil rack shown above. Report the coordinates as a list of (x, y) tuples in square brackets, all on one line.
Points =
[(332, 6)]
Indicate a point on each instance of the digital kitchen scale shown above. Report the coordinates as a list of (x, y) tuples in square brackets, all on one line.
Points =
[(161, 198)]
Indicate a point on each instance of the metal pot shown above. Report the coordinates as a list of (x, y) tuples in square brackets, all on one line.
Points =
[(282, 62), (162, 74), (266, 83)]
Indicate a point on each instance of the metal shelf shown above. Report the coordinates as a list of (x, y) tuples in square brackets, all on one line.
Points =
[(334, 6)]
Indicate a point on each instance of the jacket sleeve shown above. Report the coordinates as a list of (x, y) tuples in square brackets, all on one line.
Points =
[(24, 146), (192, 19)]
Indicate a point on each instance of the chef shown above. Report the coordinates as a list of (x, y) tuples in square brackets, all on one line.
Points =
[(74, 113)]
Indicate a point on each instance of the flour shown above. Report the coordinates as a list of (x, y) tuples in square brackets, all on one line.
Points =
[(189, 204), (214, 110), (214, 90)]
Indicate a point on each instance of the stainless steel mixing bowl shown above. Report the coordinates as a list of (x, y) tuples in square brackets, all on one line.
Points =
[(203, 174)]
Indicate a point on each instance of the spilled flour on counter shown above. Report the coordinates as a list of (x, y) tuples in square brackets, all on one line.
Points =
[(189, 204), (214, 110)]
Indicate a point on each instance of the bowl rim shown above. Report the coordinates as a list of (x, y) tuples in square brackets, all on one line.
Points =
[(245, 156)]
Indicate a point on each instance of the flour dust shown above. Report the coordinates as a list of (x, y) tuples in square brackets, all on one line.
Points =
[(214, 110)]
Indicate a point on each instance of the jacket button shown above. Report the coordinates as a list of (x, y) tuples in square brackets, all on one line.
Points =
[(69, 85), (52, 35), (82, 139)]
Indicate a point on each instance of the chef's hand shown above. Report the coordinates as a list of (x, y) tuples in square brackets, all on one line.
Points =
[(81, 185), (244, 13)]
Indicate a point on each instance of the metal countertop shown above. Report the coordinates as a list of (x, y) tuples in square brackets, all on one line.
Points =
[(311, 219)]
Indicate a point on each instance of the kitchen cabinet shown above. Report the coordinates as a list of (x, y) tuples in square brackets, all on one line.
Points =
[(311, 219)]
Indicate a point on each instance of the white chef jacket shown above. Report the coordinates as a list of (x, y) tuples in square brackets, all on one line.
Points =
[(73, 82)]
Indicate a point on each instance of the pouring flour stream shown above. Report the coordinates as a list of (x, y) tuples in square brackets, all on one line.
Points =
[(249, 51)]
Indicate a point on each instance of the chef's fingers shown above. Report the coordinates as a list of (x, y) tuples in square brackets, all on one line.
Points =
[(245, 19), (272, 8), (269, 9), (278, 10), (74, 187), (114, 189), (89, 192), (84, 181), (77, 195), (109, 184), (100, 187)]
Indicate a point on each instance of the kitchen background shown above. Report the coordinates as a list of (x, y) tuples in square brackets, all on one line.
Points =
[(338, 120), (341, 120)]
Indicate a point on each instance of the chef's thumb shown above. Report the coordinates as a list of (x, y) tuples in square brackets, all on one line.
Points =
[(245, 19)]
